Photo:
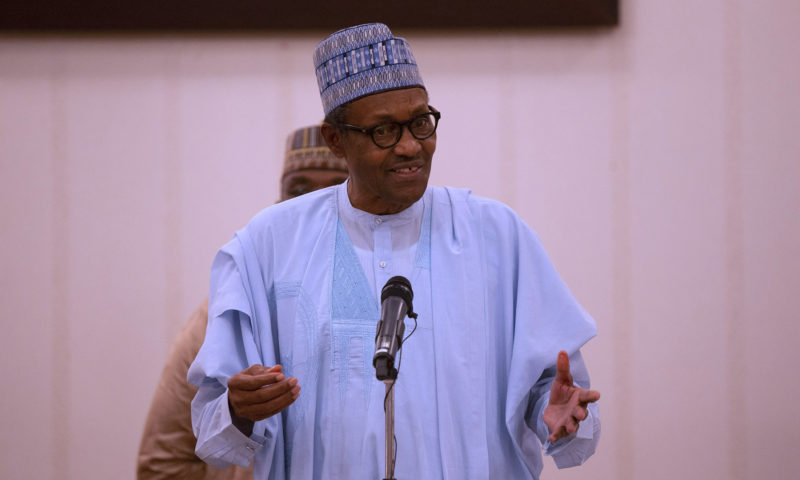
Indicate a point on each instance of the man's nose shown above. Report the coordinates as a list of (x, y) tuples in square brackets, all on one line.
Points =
[(408, 146)]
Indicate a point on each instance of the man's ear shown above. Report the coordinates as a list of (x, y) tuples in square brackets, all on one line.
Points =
[(333, 137)]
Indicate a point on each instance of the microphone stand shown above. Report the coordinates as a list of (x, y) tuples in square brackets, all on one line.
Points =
[(389, 413), (396, 298)]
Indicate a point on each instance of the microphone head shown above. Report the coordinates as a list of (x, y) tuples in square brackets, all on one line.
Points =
[(398, 286)]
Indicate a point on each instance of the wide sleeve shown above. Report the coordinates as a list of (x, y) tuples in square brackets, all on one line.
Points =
[(547, 319), (231, 346)]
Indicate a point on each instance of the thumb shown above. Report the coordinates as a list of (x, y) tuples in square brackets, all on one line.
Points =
[(257, 369)]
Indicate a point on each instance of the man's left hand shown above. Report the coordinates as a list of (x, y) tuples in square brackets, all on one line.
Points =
[(568, 404)]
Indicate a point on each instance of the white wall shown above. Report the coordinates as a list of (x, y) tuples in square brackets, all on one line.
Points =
[(659, 162)]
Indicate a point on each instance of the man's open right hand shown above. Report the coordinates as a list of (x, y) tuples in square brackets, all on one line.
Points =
[(259, 392)]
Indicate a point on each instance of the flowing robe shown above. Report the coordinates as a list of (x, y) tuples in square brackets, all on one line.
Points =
[(493, 313)]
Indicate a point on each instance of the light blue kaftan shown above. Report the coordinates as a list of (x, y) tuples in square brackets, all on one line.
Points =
[(290, 288)]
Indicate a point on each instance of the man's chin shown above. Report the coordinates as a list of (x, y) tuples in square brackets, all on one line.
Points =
[(410, 196)]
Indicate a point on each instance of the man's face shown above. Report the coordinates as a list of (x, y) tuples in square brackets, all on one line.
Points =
[(298, 182), (384, 180)]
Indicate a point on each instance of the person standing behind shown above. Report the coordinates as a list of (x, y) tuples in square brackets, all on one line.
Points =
[(168, 443)]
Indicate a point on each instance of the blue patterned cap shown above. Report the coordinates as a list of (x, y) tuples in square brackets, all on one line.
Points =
[(360, 61)]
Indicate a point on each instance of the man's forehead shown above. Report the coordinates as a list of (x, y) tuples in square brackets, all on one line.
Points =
[(390, 105)]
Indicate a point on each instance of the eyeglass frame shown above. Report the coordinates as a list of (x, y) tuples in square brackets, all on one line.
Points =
[(369, 131)]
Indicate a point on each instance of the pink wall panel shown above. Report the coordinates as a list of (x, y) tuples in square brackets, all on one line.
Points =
[(658, 162)]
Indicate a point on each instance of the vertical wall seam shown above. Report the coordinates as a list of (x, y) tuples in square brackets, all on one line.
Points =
[(622, 261), (173, 189), (734, 247), (60, 314)]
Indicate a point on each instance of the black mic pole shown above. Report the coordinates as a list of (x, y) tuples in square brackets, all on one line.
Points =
[(396, 304), (388, 406)]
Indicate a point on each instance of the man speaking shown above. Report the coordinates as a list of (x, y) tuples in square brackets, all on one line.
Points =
[(491, 377)]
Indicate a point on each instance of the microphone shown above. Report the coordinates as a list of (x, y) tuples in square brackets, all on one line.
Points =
[(396, 299)]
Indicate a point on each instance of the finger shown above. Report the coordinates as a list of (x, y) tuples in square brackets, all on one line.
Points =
[(567, 425), (556, 435), (251, 404), (562, 368), (257, 369), (267, 409), (253, 382), (572, 425), (265, 394), (588, 396), (580, 414)]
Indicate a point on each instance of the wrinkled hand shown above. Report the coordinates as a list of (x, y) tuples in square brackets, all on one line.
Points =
[(259, 392), (568, 404)]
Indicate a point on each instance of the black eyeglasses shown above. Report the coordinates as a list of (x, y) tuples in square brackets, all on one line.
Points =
[(386, 135)]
